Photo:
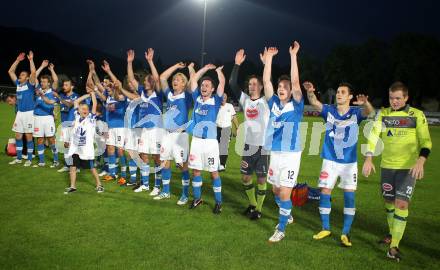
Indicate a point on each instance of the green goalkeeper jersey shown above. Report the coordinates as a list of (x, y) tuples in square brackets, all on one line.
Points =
[(403, 133)]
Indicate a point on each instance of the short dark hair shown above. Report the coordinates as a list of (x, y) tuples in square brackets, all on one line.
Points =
[(207, 78), (348, 85), (284, 77), (11, 96), (47, 77), (399, 86), (258, 78)]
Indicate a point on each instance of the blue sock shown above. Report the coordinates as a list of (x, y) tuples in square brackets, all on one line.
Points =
[(349, 211), (285, 210), (123, 163), (197, 187), (30, 149), (166, 178), (277, 200), (185, 184), (54, 152), (112, 165), (40, 150), (157, 176), (217, 187), (132, 169), (325, 207), (19, 148), (145, 174)]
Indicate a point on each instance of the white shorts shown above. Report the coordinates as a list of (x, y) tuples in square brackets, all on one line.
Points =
[(284, 168), (332, 170), (132, 136), (150, 140), (116, 137), (66, 134), (175, 145), (24, 122), (44, 126), (204, 155)]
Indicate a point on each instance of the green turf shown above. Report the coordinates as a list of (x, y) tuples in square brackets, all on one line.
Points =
[(41, 228)]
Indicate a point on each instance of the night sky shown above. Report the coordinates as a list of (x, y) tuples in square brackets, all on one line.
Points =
[(173, 27)]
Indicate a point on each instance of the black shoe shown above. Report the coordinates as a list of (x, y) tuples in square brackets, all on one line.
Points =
[(394, 253), (255, 215), (386, 240), (249, 210), (69, 190), (129, 184), (195, 203), (217, 208), (136, 186)]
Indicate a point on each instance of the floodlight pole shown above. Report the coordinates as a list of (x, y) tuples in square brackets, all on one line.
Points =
[(202, 52)]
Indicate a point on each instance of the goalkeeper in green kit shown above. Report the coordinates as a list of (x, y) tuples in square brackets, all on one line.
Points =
[(406, 146)]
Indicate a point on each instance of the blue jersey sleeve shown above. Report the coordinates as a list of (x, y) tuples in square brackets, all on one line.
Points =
[(195, 94), (324, 112)]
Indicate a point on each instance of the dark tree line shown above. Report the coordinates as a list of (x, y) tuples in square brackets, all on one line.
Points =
[(371, 66)]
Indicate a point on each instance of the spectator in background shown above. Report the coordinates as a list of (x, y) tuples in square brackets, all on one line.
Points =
[(226, 116), (11, 99)]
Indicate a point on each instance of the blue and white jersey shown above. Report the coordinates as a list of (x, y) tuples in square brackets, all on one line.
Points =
[(132, 113), (283, 132), (67, 113), (41, 107), (176, 116), (341, 135), (25, 96), (115, 111), (150, 109), (204, 116)]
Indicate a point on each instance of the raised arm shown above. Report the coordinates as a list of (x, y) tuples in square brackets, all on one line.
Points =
[(239, 59), (194, 79), (167, 74), (221, 81), (267, 82), (95, 78), (54, 76), (130, 73), (129, 94), (294, 73), (362, 100), (79, 100), (106, 67), (43, 65), (313, 100), (94, 102), (33, 76), (149, 56), (14, 65)]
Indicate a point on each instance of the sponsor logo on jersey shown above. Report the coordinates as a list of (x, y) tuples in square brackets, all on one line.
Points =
[(387, 187), (192, 157), (399, 121), (252, 113), (270, 172), (323, 175)]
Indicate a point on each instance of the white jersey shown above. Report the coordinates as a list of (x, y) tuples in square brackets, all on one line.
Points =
[(256, 113), (83, 136), (225, 115)]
